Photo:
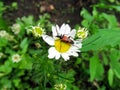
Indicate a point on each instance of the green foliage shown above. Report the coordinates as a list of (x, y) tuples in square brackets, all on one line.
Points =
[(105, 37), (96, 68), (103, 43), (110, 76)]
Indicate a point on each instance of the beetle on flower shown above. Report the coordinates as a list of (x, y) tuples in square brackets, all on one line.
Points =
[(62, 43)]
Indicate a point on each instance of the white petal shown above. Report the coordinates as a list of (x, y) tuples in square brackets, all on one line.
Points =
[(74, 54), (65, 29), (57, 55), (62, 29), (72, 33), (51, 52), (78, 43), (58, 30), (54, 31), (65, 56), (73, 48), (48, 39)]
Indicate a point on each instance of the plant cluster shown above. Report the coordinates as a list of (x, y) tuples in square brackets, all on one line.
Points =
[(38, 55)]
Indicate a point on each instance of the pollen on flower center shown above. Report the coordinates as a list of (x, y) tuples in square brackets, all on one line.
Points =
[(39, 30), (62, 46)]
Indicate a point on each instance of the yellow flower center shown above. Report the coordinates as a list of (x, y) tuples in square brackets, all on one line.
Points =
[(39, 30), (62, 46), (82, 33)]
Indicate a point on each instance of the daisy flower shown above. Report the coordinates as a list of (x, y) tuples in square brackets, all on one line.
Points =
[(62, 43), (37, 31), (16, 58), (82, 33)]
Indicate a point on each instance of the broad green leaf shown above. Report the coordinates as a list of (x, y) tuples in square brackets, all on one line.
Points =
[(93, 67), (110, 76), (105, 37)]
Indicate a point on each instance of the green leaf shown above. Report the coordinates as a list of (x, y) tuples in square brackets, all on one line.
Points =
[(105, 37), (26, 62), (105, 59), (93, 67), (28, 20), (24, 45), (110, 76), (86, 15), (24, 42), (100, 71), (3, 42), (3, 24), (14, 5), (16, 82), (111, 19), (7, 67), (116, 7), (5, 81), (114, 62)]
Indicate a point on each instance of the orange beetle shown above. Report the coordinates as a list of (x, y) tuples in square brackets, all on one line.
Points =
[(66, 39)]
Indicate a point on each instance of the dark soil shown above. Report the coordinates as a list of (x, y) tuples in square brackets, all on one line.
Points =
[(61, 11)]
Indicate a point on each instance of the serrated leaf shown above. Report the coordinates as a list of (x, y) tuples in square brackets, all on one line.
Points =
[(110, 76), (28, 20), (105, 37)]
